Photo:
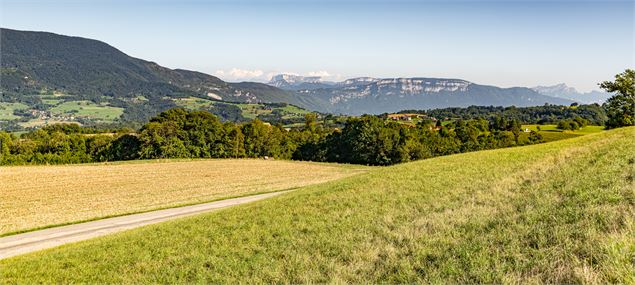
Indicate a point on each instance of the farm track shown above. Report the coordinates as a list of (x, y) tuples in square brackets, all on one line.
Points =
[(43, 196), (37, 240)]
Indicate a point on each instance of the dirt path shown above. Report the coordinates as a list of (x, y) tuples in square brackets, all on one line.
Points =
[(37, 240)]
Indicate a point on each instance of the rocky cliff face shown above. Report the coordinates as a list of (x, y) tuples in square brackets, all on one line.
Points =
[(563, 91), (379, 95)]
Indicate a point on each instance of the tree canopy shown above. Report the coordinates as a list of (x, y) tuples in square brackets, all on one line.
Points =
[(621, 106), (178, 133)]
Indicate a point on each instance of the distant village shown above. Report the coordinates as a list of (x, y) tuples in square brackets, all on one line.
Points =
[(412, 119), (48, 115)]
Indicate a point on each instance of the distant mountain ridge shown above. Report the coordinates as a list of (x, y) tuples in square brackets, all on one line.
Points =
[(35, 63), (90, 69), (378, 95), (563, 91), (297, 82)]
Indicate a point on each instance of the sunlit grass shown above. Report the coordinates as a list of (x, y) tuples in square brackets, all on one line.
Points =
[(7, 109), (559, 212), (552, 133), (88, 109)]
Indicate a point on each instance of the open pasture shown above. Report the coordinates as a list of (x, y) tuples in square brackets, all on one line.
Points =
[(7, 109), (559, 212), (100, 112), (552, 133)]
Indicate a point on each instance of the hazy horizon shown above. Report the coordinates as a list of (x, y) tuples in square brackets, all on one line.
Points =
[(503, 43)]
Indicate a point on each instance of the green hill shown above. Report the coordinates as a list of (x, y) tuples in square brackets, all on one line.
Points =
[(560, 212), (38, 65)]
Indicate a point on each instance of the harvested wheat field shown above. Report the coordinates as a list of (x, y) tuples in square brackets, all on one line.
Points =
[(40, 196), (553, 213)]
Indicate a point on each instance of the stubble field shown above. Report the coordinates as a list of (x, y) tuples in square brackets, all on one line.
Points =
[(41, 196)]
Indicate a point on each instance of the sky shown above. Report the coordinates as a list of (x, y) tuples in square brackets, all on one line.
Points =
[(502, 43)]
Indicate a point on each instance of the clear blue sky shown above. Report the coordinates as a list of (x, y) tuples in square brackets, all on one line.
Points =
[(504, 43)]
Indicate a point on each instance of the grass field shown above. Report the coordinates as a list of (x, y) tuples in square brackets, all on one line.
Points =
[(193, 103), (89, 110), (33, 123), (552, 133), (559, 212), (249, 111), (51, 99), (553, 128), (38, 196), (291, 111), (59, 107), (6, 110)]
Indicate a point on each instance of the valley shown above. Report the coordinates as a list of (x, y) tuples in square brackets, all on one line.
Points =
[(60, 108), (317, 142)]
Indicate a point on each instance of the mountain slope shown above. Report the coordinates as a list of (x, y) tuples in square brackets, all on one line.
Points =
[(82, 66), (36, 62)]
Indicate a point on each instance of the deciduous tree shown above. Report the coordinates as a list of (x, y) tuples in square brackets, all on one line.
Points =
[(621, 106)]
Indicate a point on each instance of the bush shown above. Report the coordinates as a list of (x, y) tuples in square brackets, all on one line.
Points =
[(571, 125)]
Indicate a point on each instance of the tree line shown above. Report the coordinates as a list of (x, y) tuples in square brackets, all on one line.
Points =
[(178, 133), (595, 114), (371, 140)]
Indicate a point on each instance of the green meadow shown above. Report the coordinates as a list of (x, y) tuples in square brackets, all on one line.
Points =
[(552, 133), (552, 128), (248, 111), (559, 212), (7, 109), (193, 103), (100, 112)]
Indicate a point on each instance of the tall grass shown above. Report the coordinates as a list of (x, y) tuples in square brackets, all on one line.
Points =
[(559, 212)]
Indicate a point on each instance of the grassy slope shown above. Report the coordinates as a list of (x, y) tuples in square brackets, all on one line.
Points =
[(552, 133), (553, 128), (559, 212), (249, 111), (88, 109), (40, 196), (84, 109), (6, 110)]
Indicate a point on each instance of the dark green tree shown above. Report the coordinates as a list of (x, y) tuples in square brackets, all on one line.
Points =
[(6, 142), (621, 106), (257, 141), (162, 140), (125, 147), (535, 137)]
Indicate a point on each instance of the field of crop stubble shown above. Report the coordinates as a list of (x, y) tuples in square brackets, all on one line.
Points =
[(41, 196)]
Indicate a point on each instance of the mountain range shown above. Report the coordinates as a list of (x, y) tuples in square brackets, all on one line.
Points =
[(34, 63), (379, 95), (563, 91), (297, 82)]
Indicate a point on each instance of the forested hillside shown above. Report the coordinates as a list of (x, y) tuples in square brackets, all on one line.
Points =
[(547, 114), (38, 67)]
